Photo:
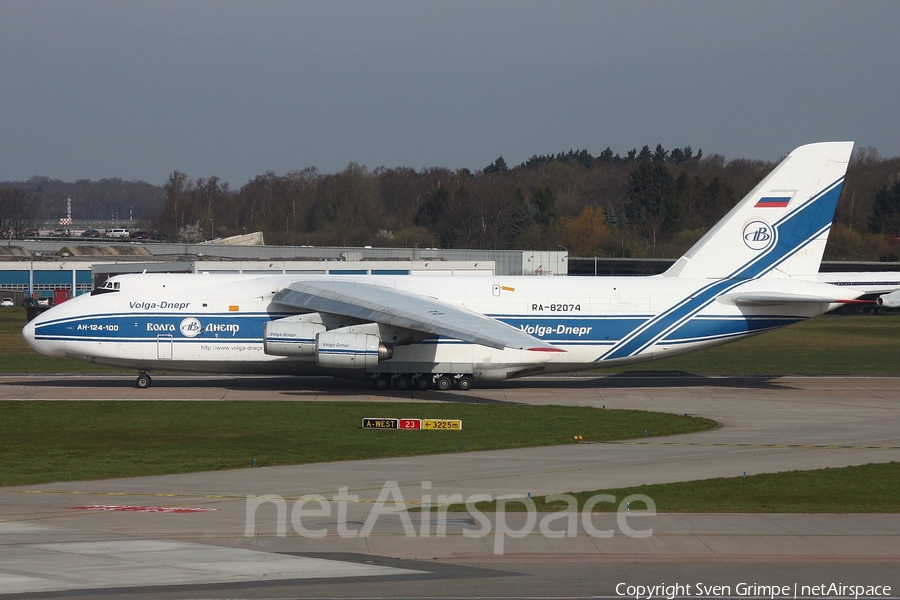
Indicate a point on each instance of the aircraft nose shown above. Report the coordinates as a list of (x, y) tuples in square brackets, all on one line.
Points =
[(44, 346), (28, 333)]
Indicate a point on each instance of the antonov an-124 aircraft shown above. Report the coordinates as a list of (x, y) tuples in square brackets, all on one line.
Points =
[(756, 270)]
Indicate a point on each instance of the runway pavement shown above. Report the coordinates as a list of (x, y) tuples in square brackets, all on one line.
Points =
[(239, 550)]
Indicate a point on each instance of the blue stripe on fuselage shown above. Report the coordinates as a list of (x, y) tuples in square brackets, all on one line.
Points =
[(704, 328), (586, 330), (146, 327)]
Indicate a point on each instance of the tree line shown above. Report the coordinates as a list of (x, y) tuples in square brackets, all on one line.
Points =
[(643, 203)]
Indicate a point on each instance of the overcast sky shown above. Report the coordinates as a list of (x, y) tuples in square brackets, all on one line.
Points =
[(136, 90)]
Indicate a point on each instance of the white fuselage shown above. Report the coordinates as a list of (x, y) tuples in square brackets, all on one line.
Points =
[(214, 323), (754, 270)]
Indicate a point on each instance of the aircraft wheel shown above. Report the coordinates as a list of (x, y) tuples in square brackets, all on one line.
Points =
[(423, 382), (382, 382), (443, 383), (143, 381), (464, 383), (403, 382)]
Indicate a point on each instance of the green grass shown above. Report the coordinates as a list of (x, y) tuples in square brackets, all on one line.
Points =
[(828, 345), (862, 489), (68, 441), (60, 441), (16, 356)]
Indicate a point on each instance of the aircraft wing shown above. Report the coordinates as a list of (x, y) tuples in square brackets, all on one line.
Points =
[(403, 309)]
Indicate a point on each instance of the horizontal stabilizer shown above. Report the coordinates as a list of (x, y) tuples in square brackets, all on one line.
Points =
[(776, 298)]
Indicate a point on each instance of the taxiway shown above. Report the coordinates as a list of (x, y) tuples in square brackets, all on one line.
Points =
[(767, 425)]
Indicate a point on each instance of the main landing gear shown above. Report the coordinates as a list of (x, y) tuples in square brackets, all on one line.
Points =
[(423, 381), (143, 380)]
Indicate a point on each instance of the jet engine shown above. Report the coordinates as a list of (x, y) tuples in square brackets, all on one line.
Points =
[(891, 300), (291, 338), (343, 350)]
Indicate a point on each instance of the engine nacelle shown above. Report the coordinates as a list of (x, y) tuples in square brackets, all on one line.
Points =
[(291, 338), (891, 300), (341, 350)]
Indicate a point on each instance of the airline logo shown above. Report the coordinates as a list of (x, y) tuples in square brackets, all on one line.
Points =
[(190, 327), (773, 202), (758, 235)]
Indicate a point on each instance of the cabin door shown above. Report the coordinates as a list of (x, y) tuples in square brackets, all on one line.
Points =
[(164, 347)]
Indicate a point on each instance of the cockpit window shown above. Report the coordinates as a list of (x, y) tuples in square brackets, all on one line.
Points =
[(107, 287)]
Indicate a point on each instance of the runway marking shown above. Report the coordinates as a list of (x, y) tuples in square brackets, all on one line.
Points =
[(747, 445), (147, 494), (146, 509), (198, 496), (84, 567)]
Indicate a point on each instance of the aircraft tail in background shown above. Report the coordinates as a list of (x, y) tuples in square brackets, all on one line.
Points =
[(780, 228)]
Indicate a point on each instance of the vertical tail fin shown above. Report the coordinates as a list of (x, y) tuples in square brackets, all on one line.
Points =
[(780, 228)]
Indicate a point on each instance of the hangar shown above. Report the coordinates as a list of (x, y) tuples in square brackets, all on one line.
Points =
[(39, 268)]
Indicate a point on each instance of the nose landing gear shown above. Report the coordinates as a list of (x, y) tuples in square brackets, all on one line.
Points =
[(143, 380)]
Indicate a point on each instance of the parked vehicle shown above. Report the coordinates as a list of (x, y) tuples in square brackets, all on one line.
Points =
[(139, 235), (7, 302), (117, 232), (90, 233), (31, 232), (60, 232), (43, 301)]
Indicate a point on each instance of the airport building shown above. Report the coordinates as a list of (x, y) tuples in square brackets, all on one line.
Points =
[(37, 268), (40, 268)]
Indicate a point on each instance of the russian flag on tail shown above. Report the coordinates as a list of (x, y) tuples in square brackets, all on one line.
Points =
[(773, 202)]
